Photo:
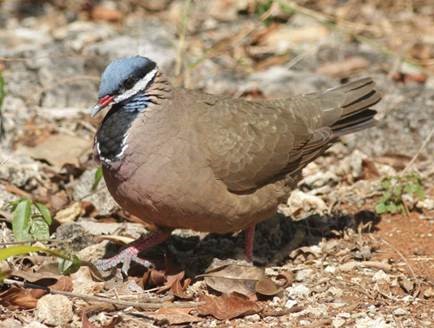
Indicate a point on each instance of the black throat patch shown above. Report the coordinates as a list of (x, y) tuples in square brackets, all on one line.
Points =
[(111, 137)]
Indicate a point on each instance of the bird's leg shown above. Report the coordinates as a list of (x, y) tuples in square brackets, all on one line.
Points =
[(130, 253), (249, 242)]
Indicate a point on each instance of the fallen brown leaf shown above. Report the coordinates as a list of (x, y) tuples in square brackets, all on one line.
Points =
[(18, 297), (227, 306), (343, 68), (175, 316), (234, 278), (267, 287)]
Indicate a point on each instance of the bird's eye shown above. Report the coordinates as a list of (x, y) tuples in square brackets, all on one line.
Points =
[(129, 83)]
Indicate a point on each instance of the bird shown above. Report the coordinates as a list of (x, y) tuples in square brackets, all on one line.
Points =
[(184, 159)]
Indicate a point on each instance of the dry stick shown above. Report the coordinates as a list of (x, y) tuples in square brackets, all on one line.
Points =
[(424, 144), (143, 305), (416, 292)]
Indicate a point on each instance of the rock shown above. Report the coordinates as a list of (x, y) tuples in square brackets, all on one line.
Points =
[(367, 322), (19, 170), (298, 291), (55, 310), (290, 303), (317, 311), (320, 179), (427, 204), (301, 205), (10, 323), (101, 198), (330, 269), (400, 312), (83, 282), (428, 293), (78, 238), (338, 322), (5, 198), (303, 275), (380, 276)]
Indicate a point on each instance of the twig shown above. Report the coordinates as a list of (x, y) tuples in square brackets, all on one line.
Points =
[(421, 148), (416, 292), (143, 305)]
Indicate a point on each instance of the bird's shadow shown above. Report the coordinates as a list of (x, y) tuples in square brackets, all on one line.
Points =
[(275, 239)]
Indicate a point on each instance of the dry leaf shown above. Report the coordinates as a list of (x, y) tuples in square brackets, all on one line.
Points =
[(267, 287), (287, 276), (68, 214), (227, 306), (175, 316), (231, 278), (20, 297), (58, 149)]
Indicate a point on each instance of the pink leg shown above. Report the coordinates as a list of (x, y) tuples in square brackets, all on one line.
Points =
[(132, 250), (249, 242)]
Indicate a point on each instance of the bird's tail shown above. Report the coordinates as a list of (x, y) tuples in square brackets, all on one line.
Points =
[(356, 113)]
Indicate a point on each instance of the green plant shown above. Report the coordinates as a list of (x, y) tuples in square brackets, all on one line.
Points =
[(97, 178), (31, 221), (394, 188)]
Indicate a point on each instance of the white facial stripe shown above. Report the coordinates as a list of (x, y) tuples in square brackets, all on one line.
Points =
[(140, 85)]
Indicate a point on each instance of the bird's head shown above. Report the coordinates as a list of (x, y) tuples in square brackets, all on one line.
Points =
[(124, 78)]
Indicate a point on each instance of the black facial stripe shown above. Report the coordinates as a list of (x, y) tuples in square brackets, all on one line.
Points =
[(112, 132), (137, 75)]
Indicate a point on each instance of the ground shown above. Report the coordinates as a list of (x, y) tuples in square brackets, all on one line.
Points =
[(328, 258)]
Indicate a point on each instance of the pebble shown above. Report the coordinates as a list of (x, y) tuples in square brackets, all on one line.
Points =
[(380, 276), (55, 310), (338, 322), (253, 318), (290, 303), (298, 291), (399, 312), (303, 275), (330, 269)]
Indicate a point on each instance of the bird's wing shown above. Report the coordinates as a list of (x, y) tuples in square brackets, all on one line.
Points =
[(251, 144)]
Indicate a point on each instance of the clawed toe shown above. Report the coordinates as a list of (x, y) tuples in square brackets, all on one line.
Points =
[(125, 257)]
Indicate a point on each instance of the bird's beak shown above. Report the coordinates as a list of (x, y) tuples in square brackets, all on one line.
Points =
[(102, 103)]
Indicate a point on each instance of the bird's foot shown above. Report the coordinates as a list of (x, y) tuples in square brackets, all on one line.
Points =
[(130, 253), (125, 257)]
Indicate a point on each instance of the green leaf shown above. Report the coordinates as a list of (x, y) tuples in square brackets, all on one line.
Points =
[(45, 212), (393, 208), (21, 220), (97, 178), (68, 266), (8, 252), (380, 208), (39, 229)]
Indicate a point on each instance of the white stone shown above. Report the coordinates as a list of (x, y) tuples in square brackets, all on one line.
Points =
[(380, 276), (330, 269), (55, 310), (290, 303), (298, 291), (400, 312), (338, 322), (302, 275)]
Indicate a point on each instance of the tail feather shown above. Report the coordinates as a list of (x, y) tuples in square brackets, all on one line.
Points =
[(356, 115)]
